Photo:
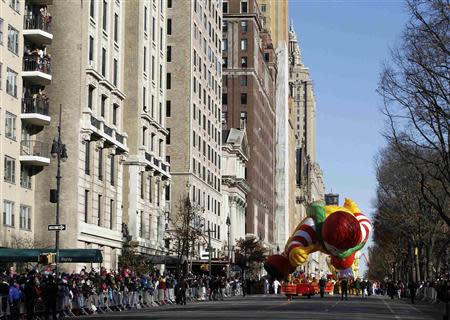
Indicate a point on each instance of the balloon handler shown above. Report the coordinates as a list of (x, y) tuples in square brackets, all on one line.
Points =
[(334, 230)]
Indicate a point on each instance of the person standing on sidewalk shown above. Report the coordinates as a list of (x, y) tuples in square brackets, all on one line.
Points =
[(344, 288), (412, 287), (14, 296), (322, 284), (276, 285)]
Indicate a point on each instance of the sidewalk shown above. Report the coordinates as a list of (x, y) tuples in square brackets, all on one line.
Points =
[(437, 310)]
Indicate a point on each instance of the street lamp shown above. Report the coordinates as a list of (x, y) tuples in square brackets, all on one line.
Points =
[(59, 152), (228, 222)]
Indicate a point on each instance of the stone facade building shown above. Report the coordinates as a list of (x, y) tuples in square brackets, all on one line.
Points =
[(234, 184), (88, 72), (248, 102), (194, 91), (146, 170), (25, 71)]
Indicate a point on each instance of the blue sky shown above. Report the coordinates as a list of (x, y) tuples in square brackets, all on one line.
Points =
[(344, 43)]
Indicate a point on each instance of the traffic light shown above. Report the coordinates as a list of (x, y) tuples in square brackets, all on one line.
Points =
[(47, 258)]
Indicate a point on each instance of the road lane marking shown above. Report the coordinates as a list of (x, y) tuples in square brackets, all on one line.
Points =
[(390, 309)]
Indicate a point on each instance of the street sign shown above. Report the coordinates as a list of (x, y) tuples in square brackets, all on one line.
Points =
[(204, 255), (56, 227)]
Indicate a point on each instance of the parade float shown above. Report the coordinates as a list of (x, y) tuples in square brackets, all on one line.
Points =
[(338, 231)]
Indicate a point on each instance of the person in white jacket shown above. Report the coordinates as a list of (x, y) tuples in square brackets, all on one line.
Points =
[(276, 285)]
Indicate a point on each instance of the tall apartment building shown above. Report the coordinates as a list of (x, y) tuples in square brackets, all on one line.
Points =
[(88, 81), (309, 176), (248, 101), (25, 33), (275, 13), (194, 88), (146, 169)]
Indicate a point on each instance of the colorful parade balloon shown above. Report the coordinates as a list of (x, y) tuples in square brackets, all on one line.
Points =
[(337, 231)]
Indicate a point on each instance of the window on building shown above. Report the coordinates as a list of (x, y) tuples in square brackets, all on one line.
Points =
[(145, 18), (225, 26), (160, 149), (243, 44), (244, 7), (161, 39), (169, 54), (10, 170), (144, 136), (266, 57), (153, 68), (87, 157), (168, 81), (90, 96), (86, 205), (160, 77), (99, 210), (8, 213), (244, 26), (225, 7), (11, 82), (144, 99), (15, 5), (224, 62), (112, 171), (141, 223), (116, 27), (105, 14), (160, 113), (25, 217), (111, 213), (91, 49), (104, 62), (243, 80), (153, 29), (169, 4), (243, 120), (115, 113), (142, 184), (13, 39), (243, 98), (10, 126), (168, 108), (225, 45), (168, 136), (169, 26), (100, 164), (224, 98), (26, 174), (92, 8), (115, 71), (150, 189), (244, 62), (103, 105), (263, 8), (152, 142)]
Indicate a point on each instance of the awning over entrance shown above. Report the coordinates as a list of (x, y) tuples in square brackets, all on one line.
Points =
[(167, 260), (65, 255)]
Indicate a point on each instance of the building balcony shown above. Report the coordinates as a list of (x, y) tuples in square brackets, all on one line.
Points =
[(101, 130), (36, 29), (159, 167), (34, 153), (36, 70), (35, 111)]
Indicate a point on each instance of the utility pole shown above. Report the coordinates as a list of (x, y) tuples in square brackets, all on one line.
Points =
[(60, 153), (228, 222)]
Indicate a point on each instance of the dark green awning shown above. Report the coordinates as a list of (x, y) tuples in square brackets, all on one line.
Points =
[(65, 255)]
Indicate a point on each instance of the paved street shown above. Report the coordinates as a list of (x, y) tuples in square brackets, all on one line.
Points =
[(271, 307)]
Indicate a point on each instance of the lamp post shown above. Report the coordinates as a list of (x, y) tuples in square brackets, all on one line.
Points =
[(60, 153), (228, 222)]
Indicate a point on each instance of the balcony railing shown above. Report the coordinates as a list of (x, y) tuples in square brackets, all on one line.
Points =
[(34, 148), (120, 138), (108, 130), (36, 63), (37, 21), (95, 122), (30, 105)]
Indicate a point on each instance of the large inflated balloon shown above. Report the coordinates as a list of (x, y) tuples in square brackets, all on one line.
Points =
[(337, 231)]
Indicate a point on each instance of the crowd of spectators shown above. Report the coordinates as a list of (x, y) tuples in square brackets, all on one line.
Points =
[(24, 295)]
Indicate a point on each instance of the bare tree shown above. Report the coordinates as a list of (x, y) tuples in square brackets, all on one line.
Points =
[(415, 87)]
